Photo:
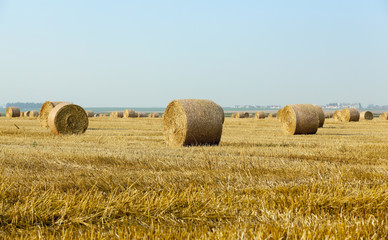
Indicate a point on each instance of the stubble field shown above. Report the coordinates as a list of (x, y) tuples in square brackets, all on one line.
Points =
[(120, 180)]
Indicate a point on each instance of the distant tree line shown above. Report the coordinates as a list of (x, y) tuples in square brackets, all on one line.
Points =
[(24, 105)]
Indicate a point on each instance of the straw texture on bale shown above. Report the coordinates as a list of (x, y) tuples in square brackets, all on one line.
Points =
[(366, 115), (45, 111), (90, 113), (129, 113), (259, 115), (384, 116), (279, 114), (12, 112), (321, 115), (300, 119), (67, 118), (189, 122), (337, 115), (242, 115), (350, 115)]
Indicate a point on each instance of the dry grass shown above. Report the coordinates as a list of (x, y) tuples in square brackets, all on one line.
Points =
[(120, 181)]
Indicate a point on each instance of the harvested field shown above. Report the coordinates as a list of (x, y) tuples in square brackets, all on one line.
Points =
[(120, 180)]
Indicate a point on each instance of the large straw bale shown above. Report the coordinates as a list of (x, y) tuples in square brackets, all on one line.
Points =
[(337, 115), (66, 118), (321, 115), (384, 116), (90, 113), (279, 114), (12, 112), (259, 115), (350, 115), (366, 115), (300, 119), (129, 113), (45, 111), (193, 122)]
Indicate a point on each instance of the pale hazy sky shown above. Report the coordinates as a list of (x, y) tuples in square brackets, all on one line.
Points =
[(147, 53)]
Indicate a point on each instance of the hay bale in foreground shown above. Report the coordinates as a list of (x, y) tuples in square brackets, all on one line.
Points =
[(366, 115), (384, 116), (90, 113), (189, 122), (67, 118), (129, 113), (45, 111), (300, 119), (350, 115), (259, 115), (321, 115), (12, 112), (242, 115)]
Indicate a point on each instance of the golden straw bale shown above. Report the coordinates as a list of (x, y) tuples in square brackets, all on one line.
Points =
[(90, 113), (117, 114), (337, 115), (321, 115), (233, 115), (350, 115), (33, 114), (12, 112), (259, 115), (270, 115), (279, 114), (193, 122), (45, 111), (67, 118), (366, 115), (384, 116), (129, 113), (300, 119), (242, 115), (141, 115), (155, 115), (97, 115)]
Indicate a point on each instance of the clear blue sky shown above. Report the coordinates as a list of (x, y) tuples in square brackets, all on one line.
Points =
[(147, 53)]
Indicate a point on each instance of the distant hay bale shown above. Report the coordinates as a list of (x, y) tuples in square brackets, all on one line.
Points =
[(141, 115), (337, 115), (12, 112), (45, 111), (97, 115), (384, 116), (350, 115), (90, 113), (270, 115), (117, 114), (233, 115), (190, 122), (155, 115), (328, 115), (242, 115), (366, 115), (67, 118), (129, 113), (321, 115), (259, 115), (33, 114), (25, 114), (300, 119)]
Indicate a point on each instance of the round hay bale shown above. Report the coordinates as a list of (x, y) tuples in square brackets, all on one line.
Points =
[(279, 114), (242, 115), (190, 122), (97, 115), (90, 113), (12, 112), (129, 113), (259, 115), (33, 114), (300, 119), (155, 115), (270, 115), (337, 115), (141, 115), (328, 115), (321, 115), (366, 115), (350, 115), (44, 112), (233, 115), (384, 116), (117, 114), (66, 118)]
